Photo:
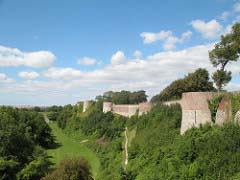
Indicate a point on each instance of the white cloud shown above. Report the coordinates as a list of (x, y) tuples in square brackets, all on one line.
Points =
[(15, 57), (236, 7), (118, 57), (224, 16), (169, 41), (28, 75), (137, 54), (151, 74), (87, 61), (209, 30), (186, 36), (5, 79), (64, 73), (149, 37)]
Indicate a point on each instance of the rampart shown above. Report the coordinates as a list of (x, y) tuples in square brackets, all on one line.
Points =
[(195, 110), (127, 110), (86, 105)]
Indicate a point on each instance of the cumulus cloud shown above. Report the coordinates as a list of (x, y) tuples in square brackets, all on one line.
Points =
[(151, 73), (137, 54), (118, 57), (15, 57), (150, 37), (169, 40), (64, 73), (5, 79), (209, 30), (28, 75), (87, 61)]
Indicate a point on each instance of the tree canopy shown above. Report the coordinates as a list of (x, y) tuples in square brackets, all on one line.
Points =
[(196, 81), (225, 52), (124, 97)]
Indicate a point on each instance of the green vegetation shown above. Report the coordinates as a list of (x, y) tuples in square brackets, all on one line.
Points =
[(235, 99), (159, 152), (193, 82), (213, 106), (73, 169), (23, 137), (70, 147), (124, 97), (225, 52)]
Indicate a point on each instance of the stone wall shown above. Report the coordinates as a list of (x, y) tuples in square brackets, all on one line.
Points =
[(224, 111), (195, 109), (86, 105), (127, 110)]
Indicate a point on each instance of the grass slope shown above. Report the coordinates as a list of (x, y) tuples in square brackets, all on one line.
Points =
[(71, 148)]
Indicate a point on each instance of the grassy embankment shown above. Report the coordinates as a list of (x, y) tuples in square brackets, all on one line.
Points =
[(70, 147)]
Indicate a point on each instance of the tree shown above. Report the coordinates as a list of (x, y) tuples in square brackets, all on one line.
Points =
[(74, 169), (193, 82), (225, 52)]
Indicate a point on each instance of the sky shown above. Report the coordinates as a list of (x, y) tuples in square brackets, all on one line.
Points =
[(62, 52)]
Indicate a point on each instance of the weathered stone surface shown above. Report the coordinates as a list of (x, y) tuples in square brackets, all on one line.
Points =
[(224, 111), (195, 109), (237, 117), (86, 105), (127, 110), (107, 106)]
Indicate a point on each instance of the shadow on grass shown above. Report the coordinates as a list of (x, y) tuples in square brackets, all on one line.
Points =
[(54, 144)]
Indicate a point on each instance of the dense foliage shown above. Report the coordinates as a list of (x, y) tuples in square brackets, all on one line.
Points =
[(196, 81), (72, 169), (159, 152), (124, 97), (23, 135), (225, 52)]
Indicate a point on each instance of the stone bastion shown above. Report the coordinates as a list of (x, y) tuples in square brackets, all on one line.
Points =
[(195, 110)]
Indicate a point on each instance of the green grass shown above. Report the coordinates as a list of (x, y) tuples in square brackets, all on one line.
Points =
[(71, 148)]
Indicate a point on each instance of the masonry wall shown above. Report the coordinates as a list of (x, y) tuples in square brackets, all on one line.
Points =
[(86, 105), (195, 109), (127, 110), (224, 111)]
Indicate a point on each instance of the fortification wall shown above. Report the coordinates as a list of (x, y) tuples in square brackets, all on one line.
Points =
[(144, 107), (195, 109), (86, 105), (127, 110), (107, 106), (224, 111)]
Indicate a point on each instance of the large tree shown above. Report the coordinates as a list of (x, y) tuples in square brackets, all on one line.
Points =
[(225, 52), (196, 81)]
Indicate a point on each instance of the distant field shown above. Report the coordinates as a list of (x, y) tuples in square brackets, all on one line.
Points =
[(71, 148)]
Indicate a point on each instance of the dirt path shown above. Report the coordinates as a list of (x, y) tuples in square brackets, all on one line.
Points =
[(46, 118), (126, 147)]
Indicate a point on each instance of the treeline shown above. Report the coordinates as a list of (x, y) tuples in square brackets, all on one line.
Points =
[(193, 82), (23, 137), (124, 97)]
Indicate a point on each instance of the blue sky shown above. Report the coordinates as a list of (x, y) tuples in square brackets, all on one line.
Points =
[(60, 52)]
